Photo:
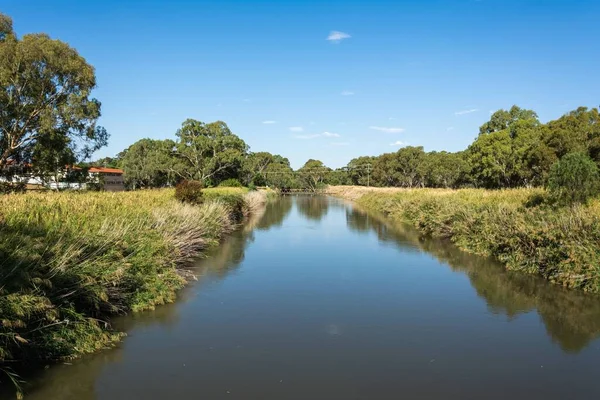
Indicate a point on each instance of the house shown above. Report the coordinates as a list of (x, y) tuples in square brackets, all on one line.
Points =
[(109, 179)]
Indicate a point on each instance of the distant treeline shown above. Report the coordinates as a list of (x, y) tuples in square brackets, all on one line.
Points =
[(513, 149)]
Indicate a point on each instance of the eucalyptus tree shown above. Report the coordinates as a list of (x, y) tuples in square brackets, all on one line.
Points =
[(209, 152), (148, 163), (47, 113)]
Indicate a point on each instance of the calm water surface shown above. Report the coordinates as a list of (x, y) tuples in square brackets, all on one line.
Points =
[(317, 300)]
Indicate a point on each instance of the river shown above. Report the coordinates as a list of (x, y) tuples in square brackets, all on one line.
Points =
[(318, 300)]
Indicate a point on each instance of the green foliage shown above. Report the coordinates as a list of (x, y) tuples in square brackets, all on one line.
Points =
[(313, 175), (231, 182), (208, 152), (189, 192), (559, 244), (53, 119), (574, 179), (12, 187), (148, 163)]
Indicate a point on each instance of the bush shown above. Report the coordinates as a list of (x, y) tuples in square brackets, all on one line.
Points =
[(189, 192), (574, 179), (230, 183), (12, 187)]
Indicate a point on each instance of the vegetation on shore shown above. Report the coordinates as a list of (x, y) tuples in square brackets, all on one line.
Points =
[(68, 261), (557, 243)]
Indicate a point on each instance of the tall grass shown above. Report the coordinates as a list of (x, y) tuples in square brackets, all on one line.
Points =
[(559, 244), (70, 260)]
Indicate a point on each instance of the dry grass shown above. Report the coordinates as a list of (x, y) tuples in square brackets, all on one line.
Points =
[(560, 244)]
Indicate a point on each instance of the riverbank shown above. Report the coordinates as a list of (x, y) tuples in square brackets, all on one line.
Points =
[(559, 244), (68, 261)]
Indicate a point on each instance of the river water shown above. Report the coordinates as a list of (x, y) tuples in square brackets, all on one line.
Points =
[(318, 300)]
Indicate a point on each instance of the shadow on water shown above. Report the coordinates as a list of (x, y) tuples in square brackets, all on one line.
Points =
[(571, 318)]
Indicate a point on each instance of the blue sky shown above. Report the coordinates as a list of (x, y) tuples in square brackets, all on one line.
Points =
[(423, 73)]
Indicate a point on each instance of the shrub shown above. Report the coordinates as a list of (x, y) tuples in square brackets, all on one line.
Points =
[(230, 183), (189, 192), (235, 205), (574, 179), (12, 187)]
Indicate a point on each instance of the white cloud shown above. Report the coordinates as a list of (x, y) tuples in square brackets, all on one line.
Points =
[(246, 100), (337, 36), (269, 122), (347, 93), (391, 118), (450, 128), (386, 129), (399, 143), (340, 143), (463, 112), (296, 129), (317, 135)]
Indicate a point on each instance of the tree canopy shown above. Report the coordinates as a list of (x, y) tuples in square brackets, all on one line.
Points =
[(48, 116)]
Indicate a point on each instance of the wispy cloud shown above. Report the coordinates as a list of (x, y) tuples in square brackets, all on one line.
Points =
[(313, 136), (347, 93), (386, 129), (399, 143), (340, 143), (246, 100), (391, 118), (463, 112), (318, 135), (450, 128), (269, 122), (296, 129), (337, 36)]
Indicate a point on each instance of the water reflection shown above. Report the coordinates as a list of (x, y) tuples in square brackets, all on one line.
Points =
[(572, 319), (313, 207), (79, 379)]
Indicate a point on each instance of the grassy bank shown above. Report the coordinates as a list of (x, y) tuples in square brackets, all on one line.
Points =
[(68, 261), (559, 244)]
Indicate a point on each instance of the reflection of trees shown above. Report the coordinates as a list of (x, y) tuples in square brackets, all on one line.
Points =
[(313, 207), (275, 213), (571, 318), (363, 222)]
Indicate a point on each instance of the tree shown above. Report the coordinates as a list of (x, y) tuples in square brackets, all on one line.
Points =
[(256, 165), (148, 163), (408, 161), (491, 158), (444, 170), (359, 170), (574, 179), (46, 110), (313, 174), (209, 152), (386, 171), (503, 119), (280, 175)]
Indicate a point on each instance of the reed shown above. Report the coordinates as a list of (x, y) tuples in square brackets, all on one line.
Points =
[(557, 243)]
